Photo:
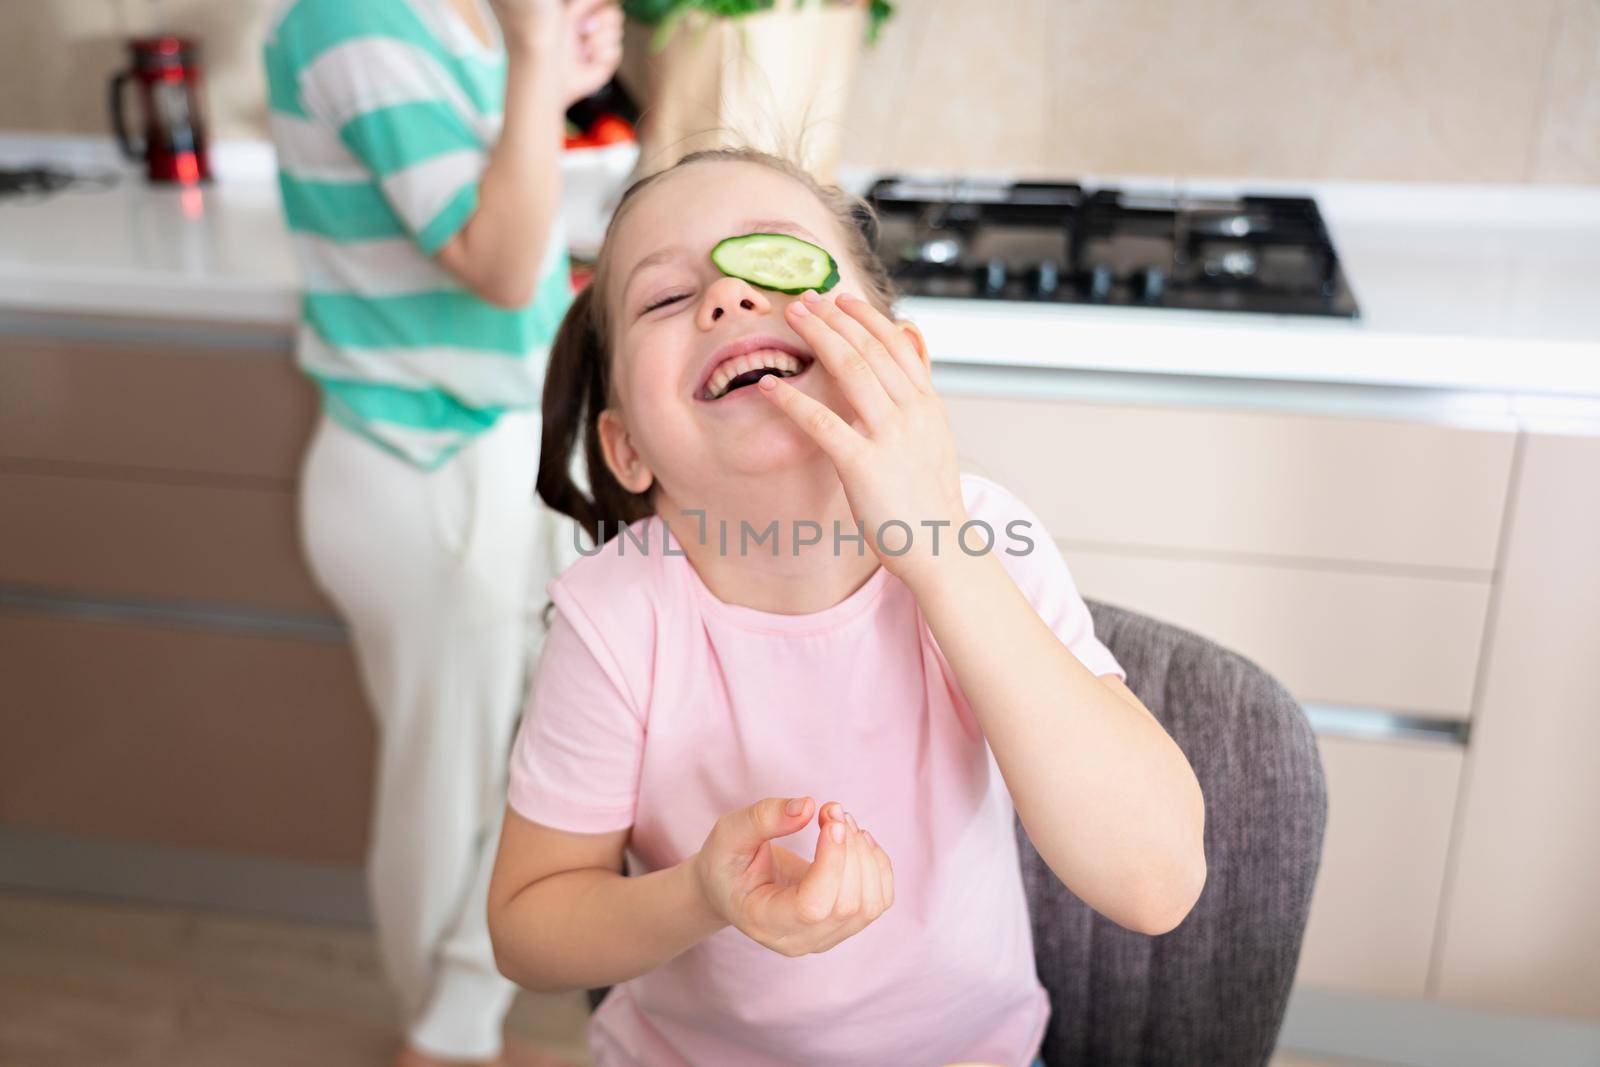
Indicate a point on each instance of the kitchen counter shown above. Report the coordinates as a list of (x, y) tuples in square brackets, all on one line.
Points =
[(1486, 294)]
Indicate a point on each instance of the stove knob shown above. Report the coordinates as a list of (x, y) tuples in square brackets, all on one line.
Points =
[(1101, 280), (1046, 278), (994, 278), (1150, 284)]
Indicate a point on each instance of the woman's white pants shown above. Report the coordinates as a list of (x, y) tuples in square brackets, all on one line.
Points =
[(440, 577)]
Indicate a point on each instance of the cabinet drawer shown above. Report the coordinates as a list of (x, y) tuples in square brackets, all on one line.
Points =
[(1267, 484), (1401, 644), (189, 738), (117, 538), (1373, 913), (186, 407)]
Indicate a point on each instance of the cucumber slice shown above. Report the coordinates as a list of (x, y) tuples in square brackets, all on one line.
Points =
[(776, 261)]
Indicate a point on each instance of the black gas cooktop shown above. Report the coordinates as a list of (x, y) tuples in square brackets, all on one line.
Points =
[(1062, 243)]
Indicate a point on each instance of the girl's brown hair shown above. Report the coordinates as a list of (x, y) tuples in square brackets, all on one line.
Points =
[(578, 380)]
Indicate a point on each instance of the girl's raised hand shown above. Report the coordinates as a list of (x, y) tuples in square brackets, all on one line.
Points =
[(898, 459), (779, 899)]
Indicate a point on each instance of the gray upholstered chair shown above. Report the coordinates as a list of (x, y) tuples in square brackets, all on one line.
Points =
[(1213, 991)]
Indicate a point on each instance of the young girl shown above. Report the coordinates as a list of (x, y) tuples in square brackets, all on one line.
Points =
[(803, 691)]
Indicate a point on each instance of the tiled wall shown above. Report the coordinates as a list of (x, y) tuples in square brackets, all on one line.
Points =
[(1452, 90), (1472, 90), (59, 56)]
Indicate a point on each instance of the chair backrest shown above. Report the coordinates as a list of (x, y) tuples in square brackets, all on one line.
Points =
[(1214, 990)]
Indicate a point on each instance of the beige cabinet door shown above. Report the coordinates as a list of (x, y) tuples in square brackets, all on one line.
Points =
[(1522, 913), (138, 407), (1406, 644), (1376, 905), (184, 737), (216, 542), (1261, 486)]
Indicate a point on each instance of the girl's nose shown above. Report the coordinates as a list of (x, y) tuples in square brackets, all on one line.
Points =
[(727, 296)]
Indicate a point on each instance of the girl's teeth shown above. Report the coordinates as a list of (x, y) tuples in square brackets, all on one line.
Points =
[(782, 362)]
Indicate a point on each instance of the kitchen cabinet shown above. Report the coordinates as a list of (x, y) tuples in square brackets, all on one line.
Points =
[(1339, 637), (1353, 558), (1373, 493), (172, 674), (1521, 924), (184, 735), (1365, 562), (101, 535), (1376, 904), (218, 401)]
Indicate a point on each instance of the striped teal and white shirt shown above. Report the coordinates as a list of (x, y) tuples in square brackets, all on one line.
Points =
[(383, 112)]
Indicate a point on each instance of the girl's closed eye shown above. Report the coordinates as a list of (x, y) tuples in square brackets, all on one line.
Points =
[(670, 298)]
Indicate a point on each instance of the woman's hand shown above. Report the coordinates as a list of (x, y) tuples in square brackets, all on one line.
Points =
[(777, 898), (593, 46), (518, 18), (583, 36), (897, 460)]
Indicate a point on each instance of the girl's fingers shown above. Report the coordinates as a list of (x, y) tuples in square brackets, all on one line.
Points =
[(856, 378), (848, 905), (885, 871), (871, 880), (855, 907), (819, 889), (872, 347), (892, 337), (816, 420)]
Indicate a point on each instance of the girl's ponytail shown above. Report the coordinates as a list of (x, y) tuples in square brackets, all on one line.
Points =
[(577, 387)]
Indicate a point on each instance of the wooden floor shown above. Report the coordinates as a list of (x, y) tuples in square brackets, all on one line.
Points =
[(88, 983)]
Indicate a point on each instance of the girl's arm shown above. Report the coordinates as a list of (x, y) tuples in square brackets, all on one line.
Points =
[(563, 917), (1105, 794), (1107, 797)]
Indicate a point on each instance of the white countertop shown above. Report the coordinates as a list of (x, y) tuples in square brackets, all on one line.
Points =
[(1493, 288)]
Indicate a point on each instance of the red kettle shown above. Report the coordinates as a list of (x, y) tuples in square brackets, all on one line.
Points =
[(173, 145)]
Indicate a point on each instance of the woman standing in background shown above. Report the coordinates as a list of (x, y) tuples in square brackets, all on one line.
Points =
[(418, 145)]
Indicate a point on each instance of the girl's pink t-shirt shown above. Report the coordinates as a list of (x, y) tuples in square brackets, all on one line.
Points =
[(659, 707)]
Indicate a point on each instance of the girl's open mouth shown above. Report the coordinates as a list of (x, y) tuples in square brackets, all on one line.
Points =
[(746, 369)]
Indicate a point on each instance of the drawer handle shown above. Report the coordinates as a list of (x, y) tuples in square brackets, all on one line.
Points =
[(254, 622), (1382, 724)]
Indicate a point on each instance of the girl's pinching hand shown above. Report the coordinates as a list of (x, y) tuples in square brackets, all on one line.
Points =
[(897, 460), (779, 899)]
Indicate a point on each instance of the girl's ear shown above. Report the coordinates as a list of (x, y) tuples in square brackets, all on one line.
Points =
[(627, 465), (916, 338)]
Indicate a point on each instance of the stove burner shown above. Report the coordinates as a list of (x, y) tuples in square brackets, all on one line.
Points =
[(1060, 243), (1233, 263), (938, 251), (41, 181), (1229, 225)]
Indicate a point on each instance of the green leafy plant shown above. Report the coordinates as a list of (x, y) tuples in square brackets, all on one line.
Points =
[(665, 14)]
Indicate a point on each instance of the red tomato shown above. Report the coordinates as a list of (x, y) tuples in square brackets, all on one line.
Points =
[(611, 129)]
